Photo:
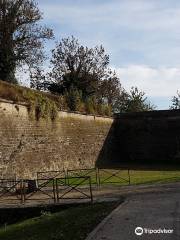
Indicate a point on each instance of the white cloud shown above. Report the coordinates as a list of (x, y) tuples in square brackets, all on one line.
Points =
[(147, 30), (136, 14), (156, 82), (142, 36)]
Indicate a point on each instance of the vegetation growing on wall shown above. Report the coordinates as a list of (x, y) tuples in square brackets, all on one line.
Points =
[(42, 105), (46, 105)]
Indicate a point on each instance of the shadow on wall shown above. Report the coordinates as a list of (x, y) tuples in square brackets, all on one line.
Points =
[(143, 141)]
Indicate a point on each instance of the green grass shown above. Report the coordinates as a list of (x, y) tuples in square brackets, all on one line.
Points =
[(18, 94), (141, 177), (70, 224), (144, 177), (136, 177), (122, 178)]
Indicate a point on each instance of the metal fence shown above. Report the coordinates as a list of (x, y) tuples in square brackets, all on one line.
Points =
[(50, 190), (103, 176), (98, 176), (45, 190), (114, 176), (11, 191), (50, 174), (73, 188), (90, 172), (61, 186)]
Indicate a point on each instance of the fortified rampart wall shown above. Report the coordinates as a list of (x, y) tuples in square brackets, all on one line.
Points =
[(26, 145)]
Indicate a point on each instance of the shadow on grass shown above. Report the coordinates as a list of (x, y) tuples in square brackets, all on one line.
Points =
[(74, 223)]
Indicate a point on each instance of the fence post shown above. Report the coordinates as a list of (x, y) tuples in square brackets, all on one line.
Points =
[(37, 178), (129, 176), (98, 177), (57, 190), (66, 176), (90, 188), (22, 191), (54, 191)]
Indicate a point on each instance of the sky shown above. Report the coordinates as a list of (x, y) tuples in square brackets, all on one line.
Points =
[(142, 38)]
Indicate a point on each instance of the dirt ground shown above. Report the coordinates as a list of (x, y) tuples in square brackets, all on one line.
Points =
[(81, 194)]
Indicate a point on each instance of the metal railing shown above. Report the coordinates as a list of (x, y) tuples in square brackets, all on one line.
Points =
[(114, 176), (53, 190), (50, 174), (11, 190), (45, 190), (73, 189), (90, 172), (102, 176)]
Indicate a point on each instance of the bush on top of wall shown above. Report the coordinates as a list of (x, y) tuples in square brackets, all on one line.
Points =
[(44, 104)]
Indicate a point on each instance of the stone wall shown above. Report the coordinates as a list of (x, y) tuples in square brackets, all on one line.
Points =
[(148, 140), (144, 140), (27, 145)]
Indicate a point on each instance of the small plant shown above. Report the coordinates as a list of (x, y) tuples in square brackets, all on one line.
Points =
[(40, 105), (90, 106), (45, 213), (45, 108), (74, 99)]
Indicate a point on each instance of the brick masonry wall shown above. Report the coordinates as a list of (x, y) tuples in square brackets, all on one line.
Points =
[(27, 145)]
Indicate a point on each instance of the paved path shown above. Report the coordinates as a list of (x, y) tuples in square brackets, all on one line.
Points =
[(155, 210)]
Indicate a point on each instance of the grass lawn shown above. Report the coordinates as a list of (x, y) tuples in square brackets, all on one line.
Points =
[(143, 177), (122, 178), (71, 224), (139, 177)]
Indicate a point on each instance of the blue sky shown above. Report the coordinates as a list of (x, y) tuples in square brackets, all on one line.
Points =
[(142, 38)]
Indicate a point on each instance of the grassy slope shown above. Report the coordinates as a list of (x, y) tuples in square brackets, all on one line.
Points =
[(18, 93), (71, 224)]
